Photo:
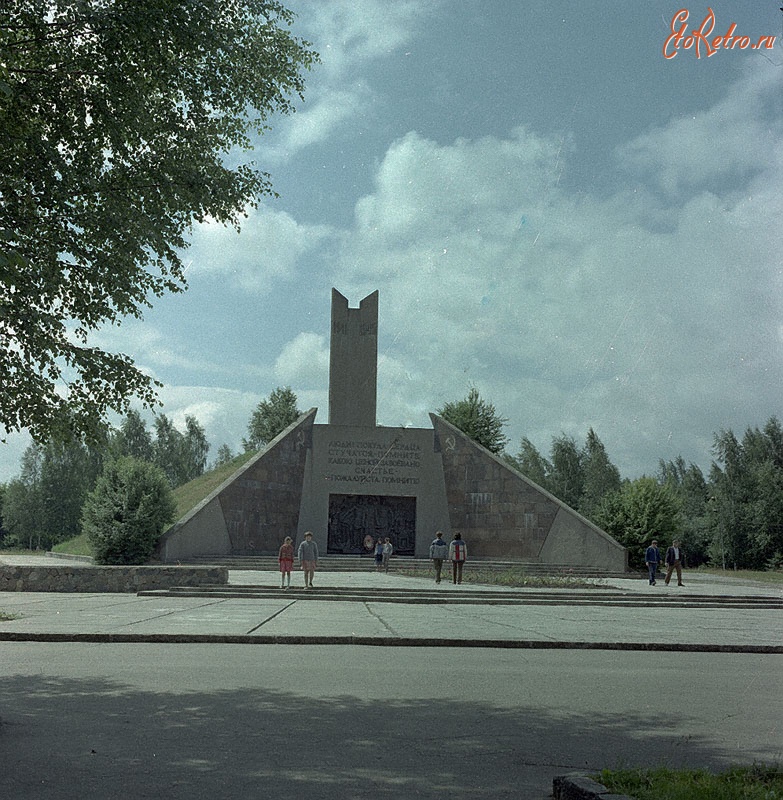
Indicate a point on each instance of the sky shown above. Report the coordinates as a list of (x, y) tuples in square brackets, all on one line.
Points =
[(554, 212)]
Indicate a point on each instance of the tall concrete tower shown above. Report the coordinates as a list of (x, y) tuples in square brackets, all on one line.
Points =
[(353, 361)]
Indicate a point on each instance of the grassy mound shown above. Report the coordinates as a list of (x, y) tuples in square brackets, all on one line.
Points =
[(190, 494)]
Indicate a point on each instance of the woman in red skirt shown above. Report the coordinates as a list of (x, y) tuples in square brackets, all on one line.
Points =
[(286, 560)]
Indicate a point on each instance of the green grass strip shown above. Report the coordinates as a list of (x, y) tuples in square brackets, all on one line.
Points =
[(758, 782)]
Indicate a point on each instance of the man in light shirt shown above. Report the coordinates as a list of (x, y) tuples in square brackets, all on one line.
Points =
[(675, 558), (308, 558)]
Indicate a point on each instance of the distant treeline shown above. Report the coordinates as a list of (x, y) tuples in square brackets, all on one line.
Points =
[(732, 518)]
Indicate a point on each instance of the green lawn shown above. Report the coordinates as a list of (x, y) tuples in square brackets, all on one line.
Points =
[(758, 782), (768, 576), (191, 494), (78, 546)]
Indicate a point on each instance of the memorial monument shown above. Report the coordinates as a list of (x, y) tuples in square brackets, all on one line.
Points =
[(350, 481)]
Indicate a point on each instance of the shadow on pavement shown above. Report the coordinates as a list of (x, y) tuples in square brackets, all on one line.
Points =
[(75, 738)]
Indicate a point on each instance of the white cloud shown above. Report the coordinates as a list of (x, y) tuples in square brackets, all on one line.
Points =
[(160, 355), (268, 249), (717, 147), (304, 362), (11, 451), (348, 37), (651, 312), (347, 33), (224, 414), (656, 324), (314, 123)]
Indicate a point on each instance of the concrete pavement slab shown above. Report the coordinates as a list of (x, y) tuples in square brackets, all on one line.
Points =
[(288, 618), (120, 614)]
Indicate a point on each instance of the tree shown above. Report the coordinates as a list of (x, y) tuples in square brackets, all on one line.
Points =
[(23, 508), (126, 512), (166, 449), (642, 510), (271, 417), (730, 490), (182, 457), (688, 483), (745, 506), (21, 515), (196, 448), (600, 476), (477, 419), (532, 464), (44, 504), (579, 477), (3, 531), (224, 456), (68, 472), (133, 438), (567, 476), (116, 117)]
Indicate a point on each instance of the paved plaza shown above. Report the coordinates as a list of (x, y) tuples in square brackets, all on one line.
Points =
[(108, 696), (708, 612)]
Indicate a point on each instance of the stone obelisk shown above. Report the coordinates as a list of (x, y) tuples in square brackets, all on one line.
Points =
[(353, 362)]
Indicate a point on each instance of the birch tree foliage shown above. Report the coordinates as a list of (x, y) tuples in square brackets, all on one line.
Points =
[(124, 122), (478, 419)]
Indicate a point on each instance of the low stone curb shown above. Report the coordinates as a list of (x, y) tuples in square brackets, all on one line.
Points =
[(69, 557), (477, 596), (376, 641), (576, 786)]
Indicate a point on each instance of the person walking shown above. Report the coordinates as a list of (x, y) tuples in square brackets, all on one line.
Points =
[(652, 557), (675, 559), (439, 552), (388, 549), (308, 558), (285, 558), (379, 555), (458, 553)]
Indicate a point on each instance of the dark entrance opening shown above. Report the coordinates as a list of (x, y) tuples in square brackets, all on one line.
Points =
[(356, 521)]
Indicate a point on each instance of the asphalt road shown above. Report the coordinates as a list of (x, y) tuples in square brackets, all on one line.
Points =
[(84, 720)]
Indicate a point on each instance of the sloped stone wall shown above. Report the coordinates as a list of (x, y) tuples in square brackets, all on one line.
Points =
[(254, 509), (502, 514)]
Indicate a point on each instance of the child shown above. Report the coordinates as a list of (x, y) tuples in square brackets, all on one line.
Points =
[(286, 560)]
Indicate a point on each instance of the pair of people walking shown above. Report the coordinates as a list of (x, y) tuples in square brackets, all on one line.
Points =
[(675, 559), (383, 550), (308, 559), (456, 552)]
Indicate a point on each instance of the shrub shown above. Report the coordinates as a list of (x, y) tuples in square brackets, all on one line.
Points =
[(125, 514)]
